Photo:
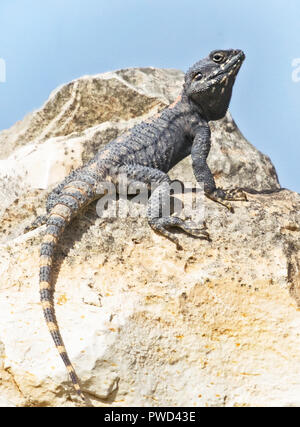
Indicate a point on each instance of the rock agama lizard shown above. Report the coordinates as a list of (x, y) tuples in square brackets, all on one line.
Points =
[(145, 154)]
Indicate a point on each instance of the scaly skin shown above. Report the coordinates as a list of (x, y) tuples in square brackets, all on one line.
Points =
[(146, 153)]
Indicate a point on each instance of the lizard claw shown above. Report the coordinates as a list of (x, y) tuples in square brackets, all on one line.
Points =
[(236, 194)]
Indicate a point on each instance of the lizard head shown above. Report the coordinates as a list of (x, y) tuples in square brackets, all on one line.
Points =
[(209, 82)]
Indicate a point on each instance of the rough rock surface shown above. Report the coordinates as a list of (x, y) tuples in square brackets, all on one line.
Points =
[(215, 324)]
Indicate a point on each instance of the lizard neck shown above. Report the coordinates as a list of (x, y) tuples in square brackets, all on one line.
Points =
[(194, 108), (207, 106)]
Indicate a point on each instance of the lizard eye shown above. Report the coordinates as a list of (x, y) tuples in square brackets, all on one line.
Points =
[(218, 57), (198, 76)]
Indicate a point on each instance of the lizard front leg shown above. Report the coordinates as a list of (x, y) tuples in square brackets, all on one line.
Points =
[(199, 152)]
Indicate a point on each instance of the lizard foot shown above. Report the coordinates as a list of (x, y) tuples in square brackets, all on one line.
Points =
[(225, 196), (190, 227), (160, 225), (236, 194), (40, 220)]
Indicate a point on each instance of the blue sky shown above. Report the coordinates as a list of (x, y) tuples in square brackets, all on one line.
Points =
[(48, 43)]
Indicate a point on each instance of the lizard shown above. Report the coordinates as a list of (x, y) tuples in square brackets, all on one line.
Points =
[(145, 154)]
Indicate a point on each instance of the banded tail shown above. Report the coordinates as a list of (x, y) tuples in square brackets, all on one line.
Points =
[(74, 196)]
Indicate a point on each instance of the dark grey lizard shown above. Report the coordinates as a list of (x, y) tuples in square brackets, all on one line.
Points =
[(145, 154)]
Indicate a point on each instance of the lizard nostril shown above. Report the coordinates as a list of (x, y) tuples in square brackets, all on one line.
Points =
[(239, 52)]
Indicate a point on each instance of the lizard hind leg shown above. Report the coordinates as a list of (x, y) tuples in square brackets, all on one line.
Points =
[(159, 204), (38, 222)]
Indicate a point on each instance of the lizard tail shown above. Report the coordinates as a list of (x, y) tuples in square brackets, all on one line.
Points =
[(74, 196)]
